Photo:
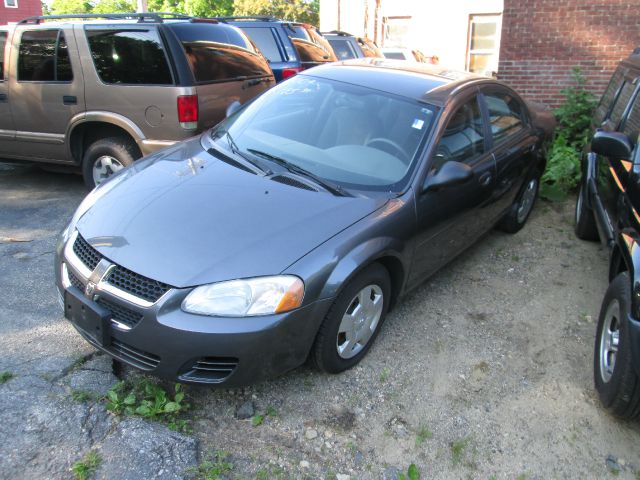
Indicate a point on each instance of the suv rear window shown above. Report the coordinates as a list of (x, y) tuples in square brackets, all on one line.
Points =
[(43, 57), (265, 38), (219, 53), (342, 48), (3, 42), (129, 56)]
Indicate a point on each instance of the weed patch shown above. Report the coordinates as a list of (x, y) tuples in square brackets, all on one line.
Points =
[(85, 468)]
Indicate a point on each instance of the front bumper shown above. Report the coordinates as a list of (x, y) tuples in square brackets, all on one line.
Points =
[(170, 343)]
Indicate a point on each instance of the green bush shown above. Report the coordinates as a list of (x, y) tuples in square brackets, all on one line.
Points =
[(572, 135)]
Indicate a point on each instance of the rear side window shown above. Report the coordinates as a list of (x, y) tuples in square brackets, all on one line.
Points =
[(133, 57), (631, 126), (266, 40), (342, 49), (43, 56), (608, 96), (220, 53), (505, 116), (3, 42)]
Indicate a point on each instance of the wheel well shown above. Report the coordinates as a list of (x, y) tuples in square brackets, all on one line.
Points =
[(617, 264), (396, 275), (85, 134)]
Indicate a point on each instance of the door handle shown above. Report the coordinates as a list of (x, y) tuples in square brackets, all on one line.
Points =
[(3, 97), (485, 179), (70, 100)]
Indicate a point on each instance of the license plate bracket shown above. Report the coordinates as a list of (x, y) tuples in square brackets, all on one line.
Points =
[(90, 317)]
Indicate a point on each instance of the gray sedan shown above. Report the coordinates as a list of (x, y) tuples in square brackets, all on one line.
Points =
[(289, 230)]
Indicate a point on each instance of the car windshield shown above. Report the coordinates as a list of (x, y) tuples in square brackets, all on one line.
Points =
[(348, 135)]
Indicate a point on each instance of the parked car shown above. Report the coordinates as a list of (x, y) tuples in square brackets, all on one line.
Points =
[(347, 46), (608, 208), (395, 53), (292, 228), (98, 94), (290, 47)]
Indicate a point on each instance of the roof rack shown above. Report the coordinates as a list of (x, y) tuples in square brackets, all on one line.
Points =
[(255, 18), (339, 32), (153, 17)]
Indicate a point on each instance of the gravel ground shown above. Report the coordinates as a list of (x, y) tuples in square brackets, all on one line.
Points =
[(485, 371)]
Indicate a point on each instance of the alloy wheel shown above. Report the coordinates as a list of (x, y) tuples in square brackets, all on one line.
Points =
[(609, 341), (526, 202)]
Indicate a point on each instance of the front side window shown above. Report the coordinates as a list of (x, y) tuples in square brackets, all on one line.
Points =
[(463, 137), (346, 134), (3, 43), (621, 102), (43, 56), (219, 53), (506, 116), (129, 56), (631, 126), (609, 95)]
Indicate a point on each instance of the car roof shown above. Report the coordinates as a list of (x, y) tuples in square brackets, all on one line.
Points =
[(417, 81)]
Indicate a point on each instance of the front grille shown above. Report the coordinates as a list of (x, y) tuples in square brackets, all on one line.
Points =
[(121, 314), (137, 285), (86, 253), (138, 358), (120, 277), (211, 369), (75, 281), (292, 182)]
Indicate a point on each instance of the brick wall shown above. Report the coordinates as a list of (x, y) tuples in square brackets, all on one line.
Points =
[(542, 40), (25, 8)]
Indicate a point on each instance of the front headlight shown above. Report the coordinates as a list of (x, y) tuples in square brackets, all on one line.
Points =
[(246, 298)]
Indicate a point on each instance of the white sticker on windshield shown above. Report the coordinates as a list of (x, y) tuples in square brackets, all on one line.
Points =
[(418, 124)]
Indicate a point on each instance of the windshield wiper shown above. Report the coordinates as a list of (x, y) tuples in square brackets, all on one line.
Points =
[(234, 148), (335, 189)]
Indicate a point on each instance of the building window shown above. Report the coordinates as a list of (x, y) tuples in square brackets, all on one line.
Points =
[(395, 31), (11, 3), (484, 44)]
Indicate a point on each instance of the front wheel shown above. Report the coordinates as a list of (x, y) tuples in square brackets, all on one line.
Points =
[(520, 210), (614, 376), (353, 322), (105, 157)]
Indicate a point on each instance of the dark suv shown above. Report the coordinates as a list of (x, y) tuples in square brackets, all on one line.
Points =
[(347, 46), (608, 207), (290, 47), (99, 91)]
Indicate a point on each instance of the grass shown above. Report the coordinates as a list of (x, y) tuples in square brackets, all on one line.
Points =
[(457, 450), (412, 473), (257, 420), (384, 375), (85, 468), (422, 435), (82, 396), (214, 468), (5, 377)]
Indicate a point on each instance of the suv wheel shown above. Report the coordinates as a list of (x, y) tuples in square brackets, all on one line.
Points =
[(353, 322), (585, 227), (615, 378), (105, 157), (519, 212)]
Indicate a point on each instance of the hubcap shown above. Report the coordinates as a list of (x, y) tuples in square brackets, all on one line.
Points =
[(609, 341), (104, 167), (526, 203), (360, 321)]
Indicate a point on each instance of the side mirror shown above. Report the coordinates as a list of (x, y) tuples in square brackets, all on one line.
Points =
[(233, 108), (614, 145), (451, 173)]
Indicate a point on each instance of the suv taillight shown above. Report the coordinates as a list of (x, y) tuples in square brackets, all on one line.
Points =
[(188, 111), (290, 72)]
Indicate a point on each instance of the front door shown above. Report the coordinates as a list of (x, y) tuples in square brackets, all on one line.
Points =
[(451, 218), (47, 90)]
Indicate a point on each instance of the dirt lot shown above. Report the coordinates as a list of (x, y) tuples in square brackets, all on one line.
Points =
[(483, 372)]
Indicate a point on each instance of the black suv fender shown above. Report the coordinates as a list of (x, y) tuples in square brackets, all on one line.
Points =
[(625, 256)]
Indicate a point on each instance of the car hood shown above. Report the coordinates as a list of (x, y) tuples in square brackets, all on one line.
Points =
[(186, 218)]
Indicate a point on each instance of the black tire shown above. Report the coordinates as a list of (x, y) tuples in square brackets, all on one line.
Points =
[(324, 354), (121, 149), (615, 378), (585, 222), (522, 207)]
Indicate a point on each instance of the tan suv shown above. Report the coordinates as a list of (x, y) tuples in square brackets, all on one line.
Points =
[(98, 94)]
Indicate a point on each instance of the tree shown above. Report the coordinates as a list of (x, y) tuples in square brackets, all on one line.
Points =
[(45, 9), (114, 6), (307, 11), (197, 8), (61, 7)]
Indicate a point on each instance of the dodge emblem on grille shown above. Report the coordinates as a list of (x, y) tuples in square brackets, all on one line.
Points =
[(89, 289)]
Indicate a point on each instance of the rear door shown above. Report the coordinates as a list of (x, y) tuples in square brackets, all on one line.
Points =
[(513, 144), (46, 91), (7, 129)]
